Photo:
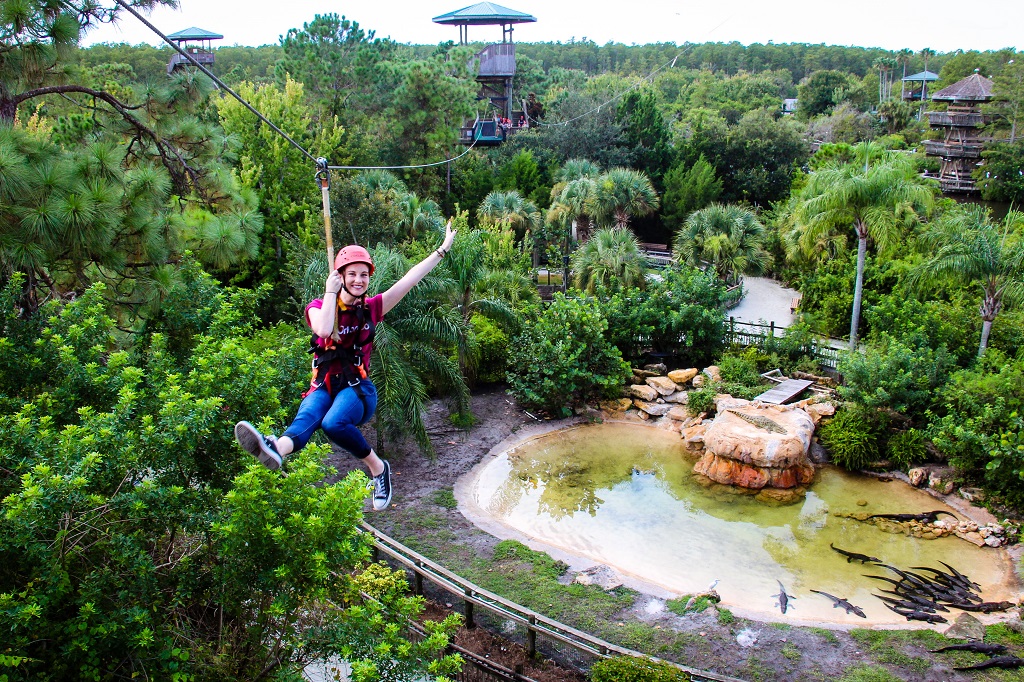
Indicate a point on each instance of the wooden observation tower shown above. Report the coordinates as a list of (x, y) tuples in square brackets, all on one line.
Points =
[(960, 149), (495, 69), (195, 41)]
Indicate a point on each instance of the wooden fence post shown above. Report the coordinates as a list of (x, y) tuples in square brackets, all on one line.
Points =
[(469, 609), (531, 637)]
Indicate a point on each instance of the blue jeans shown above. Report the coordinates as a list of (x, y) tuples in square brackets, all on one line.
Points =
[(339, 417)]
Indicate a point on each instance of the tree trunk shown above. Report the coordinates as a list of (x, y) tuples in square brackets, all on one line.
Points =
[(986, 328), (8, 110), (858, 289)]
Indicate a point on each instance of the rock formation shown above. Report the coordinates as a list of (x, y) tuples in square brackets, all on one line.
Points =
[(754, 445)]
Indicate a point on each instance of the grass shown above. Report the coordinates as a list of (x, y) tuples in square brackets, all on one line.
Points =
[(825, 634), (444, 498), (725, 616), (887, 646), (790, 651), (687, 604), (868, 673)]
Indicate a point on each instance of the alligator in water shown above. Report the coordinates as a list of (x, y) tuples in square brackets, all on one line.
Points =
[(923, 517), (854, 556), (783, 598), (918, 615), (983, 607), (967, 582), (839, 602)]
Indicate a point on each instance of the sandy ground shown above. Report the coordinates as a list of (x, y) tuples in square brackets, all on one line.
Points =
[(778, 651)]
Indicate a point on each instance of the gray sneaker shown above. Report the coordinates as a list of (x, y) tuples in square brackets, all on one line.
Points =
[(382, 488), (255, 443)]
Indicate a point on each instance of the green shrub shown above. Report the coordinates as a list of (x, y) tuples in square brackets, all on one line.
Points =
[(703, 399), (562, 359), (895, 376), (492, 346), (851, 439), (741, 368), (725, 616), (680, 314), (687, 604), (633, 669), (907, 448), (137, 535)]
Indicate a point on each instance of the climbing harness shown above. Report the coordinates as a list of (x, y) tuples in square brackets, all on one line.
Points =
[(347, 361)]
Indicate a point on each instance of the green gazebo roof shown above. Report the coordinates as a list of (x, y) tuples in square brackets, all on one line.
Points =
[(195, 34), (484, 13), (923, 76)]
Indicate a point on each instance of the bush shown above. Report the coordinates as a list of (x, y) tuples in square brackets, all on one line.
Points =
[(632, 669), (703, 399), (493, 347), (561, 359), (680, 314), (137, 534), (907, 448), (977, 405), (895, 376), (851, 438)]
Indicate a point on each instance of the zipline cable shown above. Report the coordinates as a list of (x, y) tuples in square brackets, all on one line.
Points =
[(222, 85)]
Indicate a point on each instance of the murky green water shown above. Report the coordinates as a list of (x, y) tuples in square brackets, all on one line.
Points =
[(625, 495)]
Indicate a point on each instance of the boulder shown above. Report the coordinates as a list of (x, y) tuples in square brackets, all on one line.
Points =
[(600, 575), (713, 373), (663, 385), (682, 376), (620, 405), (698, 381), (653, 409), (693, 437), (642, 374), (658, 368), (678, 413), (757, 446), (643, 392), (918, 476), (819, 410), (940, 481), (966, 626), (679, 398)]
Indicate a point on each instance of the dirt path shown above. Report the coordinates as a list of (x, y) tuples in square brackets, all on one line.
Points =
[(424, 517)]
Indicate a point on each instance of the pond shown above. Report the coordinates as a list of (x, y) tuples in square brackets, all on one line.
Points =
[(625, 495)]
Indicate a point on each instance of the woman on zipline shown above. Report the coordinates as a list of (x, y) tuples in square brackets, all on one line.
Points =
[(341, 396)]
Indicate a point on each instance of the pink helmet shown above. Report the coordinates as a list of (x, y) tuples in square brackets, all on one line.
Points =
[(353, 253)]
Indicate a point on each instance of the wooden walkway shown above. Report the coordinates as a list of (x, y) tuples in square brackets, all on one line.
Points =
[(787, 390)]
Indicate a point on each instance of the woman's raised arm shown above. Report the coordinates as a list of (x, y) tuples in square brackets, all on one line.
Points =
[(399, 289)]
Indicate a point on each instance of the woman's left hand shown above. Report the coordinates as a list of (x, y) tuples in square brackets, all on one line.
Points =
[(449, 237)]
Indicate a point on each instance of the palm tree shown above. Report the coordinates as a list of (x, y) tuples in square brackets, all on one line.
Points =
[(574, 169), (621, 194), (729, 237), (879, 201), (418, 216), (573, 204), (968, 247), (611, 252), (480, 289), (521, 214)]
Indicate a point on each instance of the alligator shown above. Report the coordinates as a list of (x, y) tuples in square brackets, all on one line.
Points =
[(783, 598), (976, 647), (918, 615), (996, 662), (967, 582), (904, 604), (983, 607), (759, 421), (839, 602), (923, 517), (854, 556)]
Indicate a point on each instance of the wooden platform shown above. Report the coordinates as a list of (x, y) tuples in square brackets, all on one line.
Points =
[(787, 390)]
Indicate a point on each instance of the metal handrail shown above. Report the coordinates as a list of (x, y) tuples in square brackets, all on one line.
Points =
[(473, 595)]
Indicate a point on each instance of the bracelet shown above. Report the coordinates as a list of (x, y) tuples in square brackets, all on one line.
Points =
[(441, 254)]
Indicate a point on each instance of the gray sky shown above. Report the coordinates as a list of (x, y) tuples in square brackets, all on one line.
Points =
[(942, 25)]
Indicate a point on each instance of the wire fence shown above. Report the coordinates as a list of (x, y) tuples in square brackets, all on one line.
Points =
[(538, 634)]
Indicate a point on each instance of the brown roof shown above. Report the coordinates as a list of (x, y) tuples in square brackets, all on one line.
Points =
[(974, 88)]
